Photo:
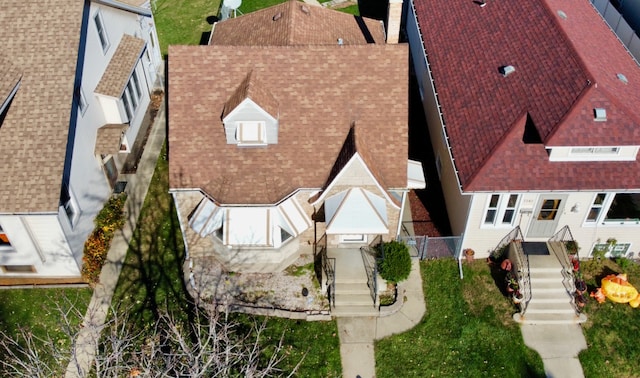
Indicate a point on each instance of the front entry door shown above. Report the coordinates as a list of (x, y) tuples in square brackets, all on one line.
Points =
[(547, 215)]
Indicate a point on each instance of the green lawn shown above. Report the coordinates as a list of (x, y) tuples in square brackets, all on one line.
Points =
[(151, 283), (36, 310), (612, 329), (467, 330), (183, 22)]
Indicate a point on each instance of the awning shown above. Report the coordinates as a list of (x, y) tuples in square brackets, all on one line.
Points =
[(118, 71), (356, 211), (415, 175), (109, 138)]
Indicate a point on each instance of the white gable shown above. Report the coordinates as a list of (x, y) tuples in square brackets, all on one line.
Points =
[(250, 113)]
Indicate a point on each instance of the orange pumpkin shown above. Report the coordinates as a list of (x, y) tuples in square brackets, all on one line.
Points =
[(618, 289)]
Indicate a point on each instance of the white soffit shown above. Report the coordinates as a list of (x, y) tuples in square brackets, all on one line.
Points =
[(206, 218), (293, 218), (415, 175), (248, 226), (356, 211)]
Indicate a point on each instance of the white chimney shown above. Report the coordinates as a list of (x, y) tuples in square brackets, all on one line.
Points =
[(393, 21)]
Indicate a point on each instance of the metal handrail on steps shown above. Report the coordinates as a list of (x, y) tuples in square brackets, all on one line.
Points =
[(328, 268), (523, 273), (557, 246), (371, 268)]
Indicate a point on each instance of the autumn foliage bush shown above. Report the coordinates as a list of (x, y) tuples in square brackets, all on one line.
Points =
[(110, 219)]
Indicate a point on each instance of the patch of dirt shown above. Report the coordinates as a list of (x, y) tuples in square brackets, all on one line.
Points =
[(131, 164), (282, 290)]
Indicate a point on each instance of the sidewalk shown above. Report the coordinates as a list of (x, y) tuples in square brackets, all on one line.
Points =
[(87, 340), (357, 334), (558, 345)]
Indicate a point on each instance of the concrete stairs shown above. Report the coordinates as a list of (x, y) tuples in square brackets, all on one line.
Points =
[(352, 295), (550, 301)]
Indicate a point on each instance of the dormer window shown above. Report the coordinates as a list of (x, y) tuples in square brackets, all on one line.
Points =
[(251, 133)]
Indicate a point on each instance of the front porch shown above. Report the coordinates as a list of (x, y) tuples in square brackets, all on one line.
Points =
[(544, 278)]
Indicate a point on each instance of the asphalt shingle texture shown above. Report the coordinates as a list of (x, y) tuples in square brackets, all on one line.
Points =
[(564, 68), (322, 91), (40, 39)]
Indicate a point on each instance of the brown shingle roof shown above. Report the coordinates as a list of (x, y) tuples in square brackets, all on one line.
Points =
[(117, 73), (9, 77), (33, 136), (109, 137), (297, 23), (317, 106), (564, 67), (256, 91)]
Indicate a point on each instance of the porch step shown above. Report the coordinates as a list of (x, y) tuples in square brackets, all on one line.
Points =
[(544, 262), (352, 288), (547, 318), (539, 287), (545, 274), (355, 279), (353, 299), (354, 311), (550, 297), (537, 307)]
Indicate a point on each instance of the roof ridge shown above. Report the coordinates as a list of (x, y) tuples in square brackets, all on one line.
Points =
[(491, 155)]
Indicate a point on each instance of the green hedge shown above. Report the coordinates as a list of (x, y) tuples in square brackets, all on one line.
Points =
[(395, 265)]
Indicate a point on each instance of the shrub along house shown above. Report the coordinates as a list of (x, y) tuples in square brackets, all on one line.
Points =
[(72, 100), (276, 145), (532, 109)]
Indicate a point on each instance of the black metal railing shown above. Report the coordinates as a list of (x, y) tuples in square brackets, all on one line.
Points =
[(370, 260), (328, 268), (523, 274), (563, 246)]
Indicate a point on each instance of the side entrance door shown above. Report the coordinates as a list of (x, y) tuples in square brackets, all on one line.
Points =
[(547, 215)]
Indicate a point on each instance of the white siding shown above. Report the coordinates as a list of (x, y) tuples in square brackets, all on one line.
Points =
[(38, 240), (251, 112)]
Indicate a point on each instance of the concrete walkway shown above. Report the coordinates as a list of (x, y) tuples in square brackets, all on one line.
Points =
[(558, 345), (87, 340), (357, 334)]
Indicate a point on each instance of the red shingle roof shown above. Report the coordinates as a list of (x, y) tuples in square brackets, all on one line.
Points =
[(564, 68), (297, 23), (321, 91)]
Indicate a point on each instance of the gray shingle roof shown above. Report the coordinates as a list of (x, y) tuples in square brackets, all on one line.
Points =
[(41, 39), (318, 104)]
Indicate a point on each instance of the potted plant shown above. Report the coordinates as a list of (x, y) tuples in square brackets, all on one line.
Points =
[(581, 299), (581, 285), (512, 283), (469, 254), (575, 262), (517, 297)]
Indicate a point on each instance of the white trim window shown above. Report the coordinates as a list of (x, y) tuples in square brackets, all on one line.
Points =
[(595, 150), (355, 238), (501, 210), (251, 133), (70, 206), (615, 209), (102, 32), (81, 100), (131, 96)]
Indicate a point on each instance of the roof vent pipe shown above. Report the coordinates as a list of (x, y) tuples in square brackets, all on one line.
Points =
[(507, 70)]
